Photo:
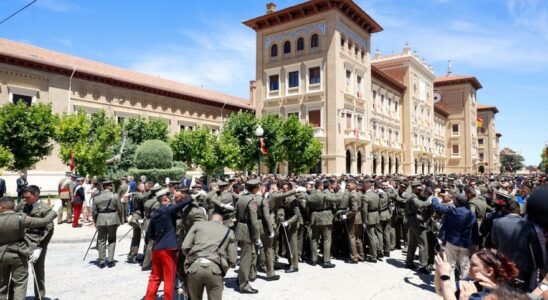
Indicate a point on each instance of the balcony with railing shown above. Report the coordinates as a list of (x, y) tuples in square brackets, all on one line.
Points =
[(354, 135), (319, 133)]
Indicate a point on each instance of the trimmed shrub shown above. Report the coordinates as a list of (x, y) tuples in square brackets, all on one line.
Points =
[(153, 154), (159, 175)]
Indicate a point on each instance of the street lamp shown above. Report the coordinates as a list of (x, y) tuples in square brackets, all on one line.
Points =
[(259, 133)]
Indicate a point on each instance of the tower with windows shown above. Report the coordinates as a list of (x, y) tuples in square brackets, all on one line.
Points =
[(314, 63)]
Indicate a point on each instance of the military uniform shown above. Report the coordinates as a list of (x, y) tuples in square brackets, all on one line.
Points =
[(189, 216), (38, 237), (340, 244), (384, 226), (135, 223), (65, 194), (107, 212), (399, 221), (15, 250), (371, 205), (247, 234), (292, 214), (355, 229), (267, 229), (417, 231), (210, 249), (321, 222), (123, 195), (277, 215)]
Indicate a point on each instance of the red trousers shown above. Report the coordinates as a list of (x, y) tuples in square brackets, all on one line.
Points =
[(77, 210), (164, 264)]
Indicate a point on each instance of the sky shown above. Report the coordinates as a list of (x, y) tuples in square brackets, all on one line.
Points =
[(504, 43)]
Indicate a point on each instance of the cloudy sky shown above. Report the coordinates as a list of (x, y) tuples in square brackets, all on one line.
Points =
[(504, 43)]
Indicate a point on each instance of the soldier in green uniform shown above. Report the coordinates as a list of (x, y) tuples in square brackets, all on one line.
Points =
[(320, 202), (371, 204), (222, 202), (417, 228), (353, 220), (385, 216), (15, 250), (248, 234), (210, 249), (399, 221), (341, 242), (186, 218), (107, 213), (150, 205), (136, 220), (38, 237), (290, 227), (268, 232)]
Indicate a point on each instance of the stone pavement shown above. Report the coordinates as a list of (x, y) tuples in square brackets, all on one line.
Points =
[(68, 277)]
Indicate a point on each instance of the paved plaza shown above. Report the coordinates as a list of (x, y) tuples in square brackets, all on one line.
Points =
[(68, 277)]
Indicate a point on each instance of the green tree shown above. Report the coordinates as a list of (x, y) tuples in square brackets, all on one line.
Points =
[(89, 138), (6, 158), (274, 142), (153, 154), (511, 162), (141, 129), (303, 151), (544, 161), (182, 145), (26, 133), (242, 126)]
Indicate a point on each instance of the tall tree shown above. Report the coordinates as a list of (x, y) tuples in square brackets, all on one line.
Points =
[(26, 133), (544, 161), (6, 158), (511, 162), (242, 126), (90, 139), (274, 141), (141, 129), (182, 146), (302, 149)]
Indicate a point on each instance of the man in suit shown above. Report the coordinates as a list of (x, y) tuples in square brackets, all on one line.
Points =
[(21, 185), (107, 213), (2, 187), (515, 238), (38, 237)]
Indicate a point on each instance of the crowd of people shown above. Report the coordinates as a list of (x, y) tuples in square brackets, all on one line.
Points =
[(483, 235)]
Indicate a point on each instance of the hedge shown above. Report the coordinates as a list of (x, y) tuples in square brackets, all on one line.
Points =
[(153, 154), (158, 175)]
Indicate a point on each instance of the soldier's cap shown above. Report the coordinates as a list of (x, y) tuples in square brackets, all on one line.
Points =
[(162, 192), (156, 188), (221, 183), (351, 180), (253, 182), (197, 186), (73, 175), (416, 183), (107, 182), (68, 173), (80, 178), (123, 178), (371, 180)]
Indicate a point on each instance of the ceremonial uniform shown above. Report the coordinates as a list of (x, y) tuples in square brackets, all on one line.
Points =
[(149, 207), (384, 225), (15, 250), (210, 249), (247, 234), (292, 213), (355, 229), (123, 195), (107, 212), (135, 223), (321, 222), (417, 231), (399, 221), (65, 194), (38, 237), (371, 205), (267, 229)]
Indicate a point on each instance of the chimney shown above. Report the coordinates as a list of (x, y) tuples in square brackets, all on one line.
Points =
[(449, 68), (252, 88), (270, 8)]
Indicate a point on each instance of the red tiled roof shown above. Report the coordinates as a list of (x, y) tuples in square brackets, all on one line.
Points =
[(457, 79), (386, 78), (487, 107), (311, 7), (30, 56)]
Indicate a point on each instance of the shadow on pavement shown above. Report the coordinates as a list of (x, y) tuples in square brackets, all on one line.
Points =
[(398, 263), (231, 283), (427, 284)]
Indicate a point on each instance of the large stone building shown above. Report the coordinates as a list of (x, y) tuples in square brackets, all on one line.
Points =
[(37, 75), (372, 114)]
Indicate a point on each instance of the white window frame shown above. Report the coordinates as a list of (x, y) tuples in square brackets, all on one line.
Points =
[(271, 72), (186, 125), (12, 90), (294, 108), (315, 106), (288, 69), (125, 115), (313, 64)]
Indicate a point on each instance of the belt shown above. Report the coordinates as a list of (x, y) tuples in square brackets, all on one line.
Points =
[(64, 190), (107, 211), (387, 209), (372, 210)]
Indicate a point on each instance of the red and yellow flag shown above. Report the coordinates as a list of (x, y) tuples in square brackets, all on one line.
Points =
[(479, 122)]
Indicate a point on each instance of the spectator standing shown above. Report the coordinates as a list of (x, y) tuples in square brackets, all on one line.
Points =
[(87, 200), (21, 185), (78, 198)]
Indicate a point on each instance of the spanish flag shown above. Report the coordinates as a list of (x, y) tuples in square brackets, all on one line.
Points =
[(479, 122), (262, 146)]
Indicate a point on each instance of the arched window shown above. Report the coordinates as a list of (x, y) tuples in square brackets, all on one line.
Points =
[(300, 44), (314, 41), (287, 47), (274, 50)]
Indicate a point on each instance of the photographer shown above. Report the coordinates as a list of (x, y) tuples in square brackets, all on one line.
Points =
[(460, 231)]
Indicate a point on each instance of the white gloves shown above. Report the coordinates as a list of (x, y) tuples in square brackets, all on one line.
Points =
[(271, 236), (228, 206), (285, 224), (34, 255), (259, 244), (202, 192), (194, 196), (301, 189), (141, 221), (344, 217), (57, 205)]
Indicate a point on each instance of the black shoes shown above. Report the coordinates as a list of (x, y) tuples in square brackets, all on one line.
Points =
[(410, 266), (386, 254), (102, 265), (328, 265), (424, 270), (110, 264), (313, 263), (273, 278), (146, 269), (249, 291), (252, 279), (292, 270), (371, 260), (351, 261)]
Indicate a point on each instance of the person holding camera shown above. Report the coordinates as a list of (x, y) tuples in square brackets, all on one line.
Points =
[(460, 231)]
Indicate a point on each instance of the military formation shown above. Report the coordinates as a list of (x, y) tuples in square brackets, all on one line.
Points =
[(302, 219)]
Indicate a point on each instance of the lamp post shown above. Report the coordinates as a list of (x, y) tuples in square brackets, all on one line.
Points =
[(259, 133)]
